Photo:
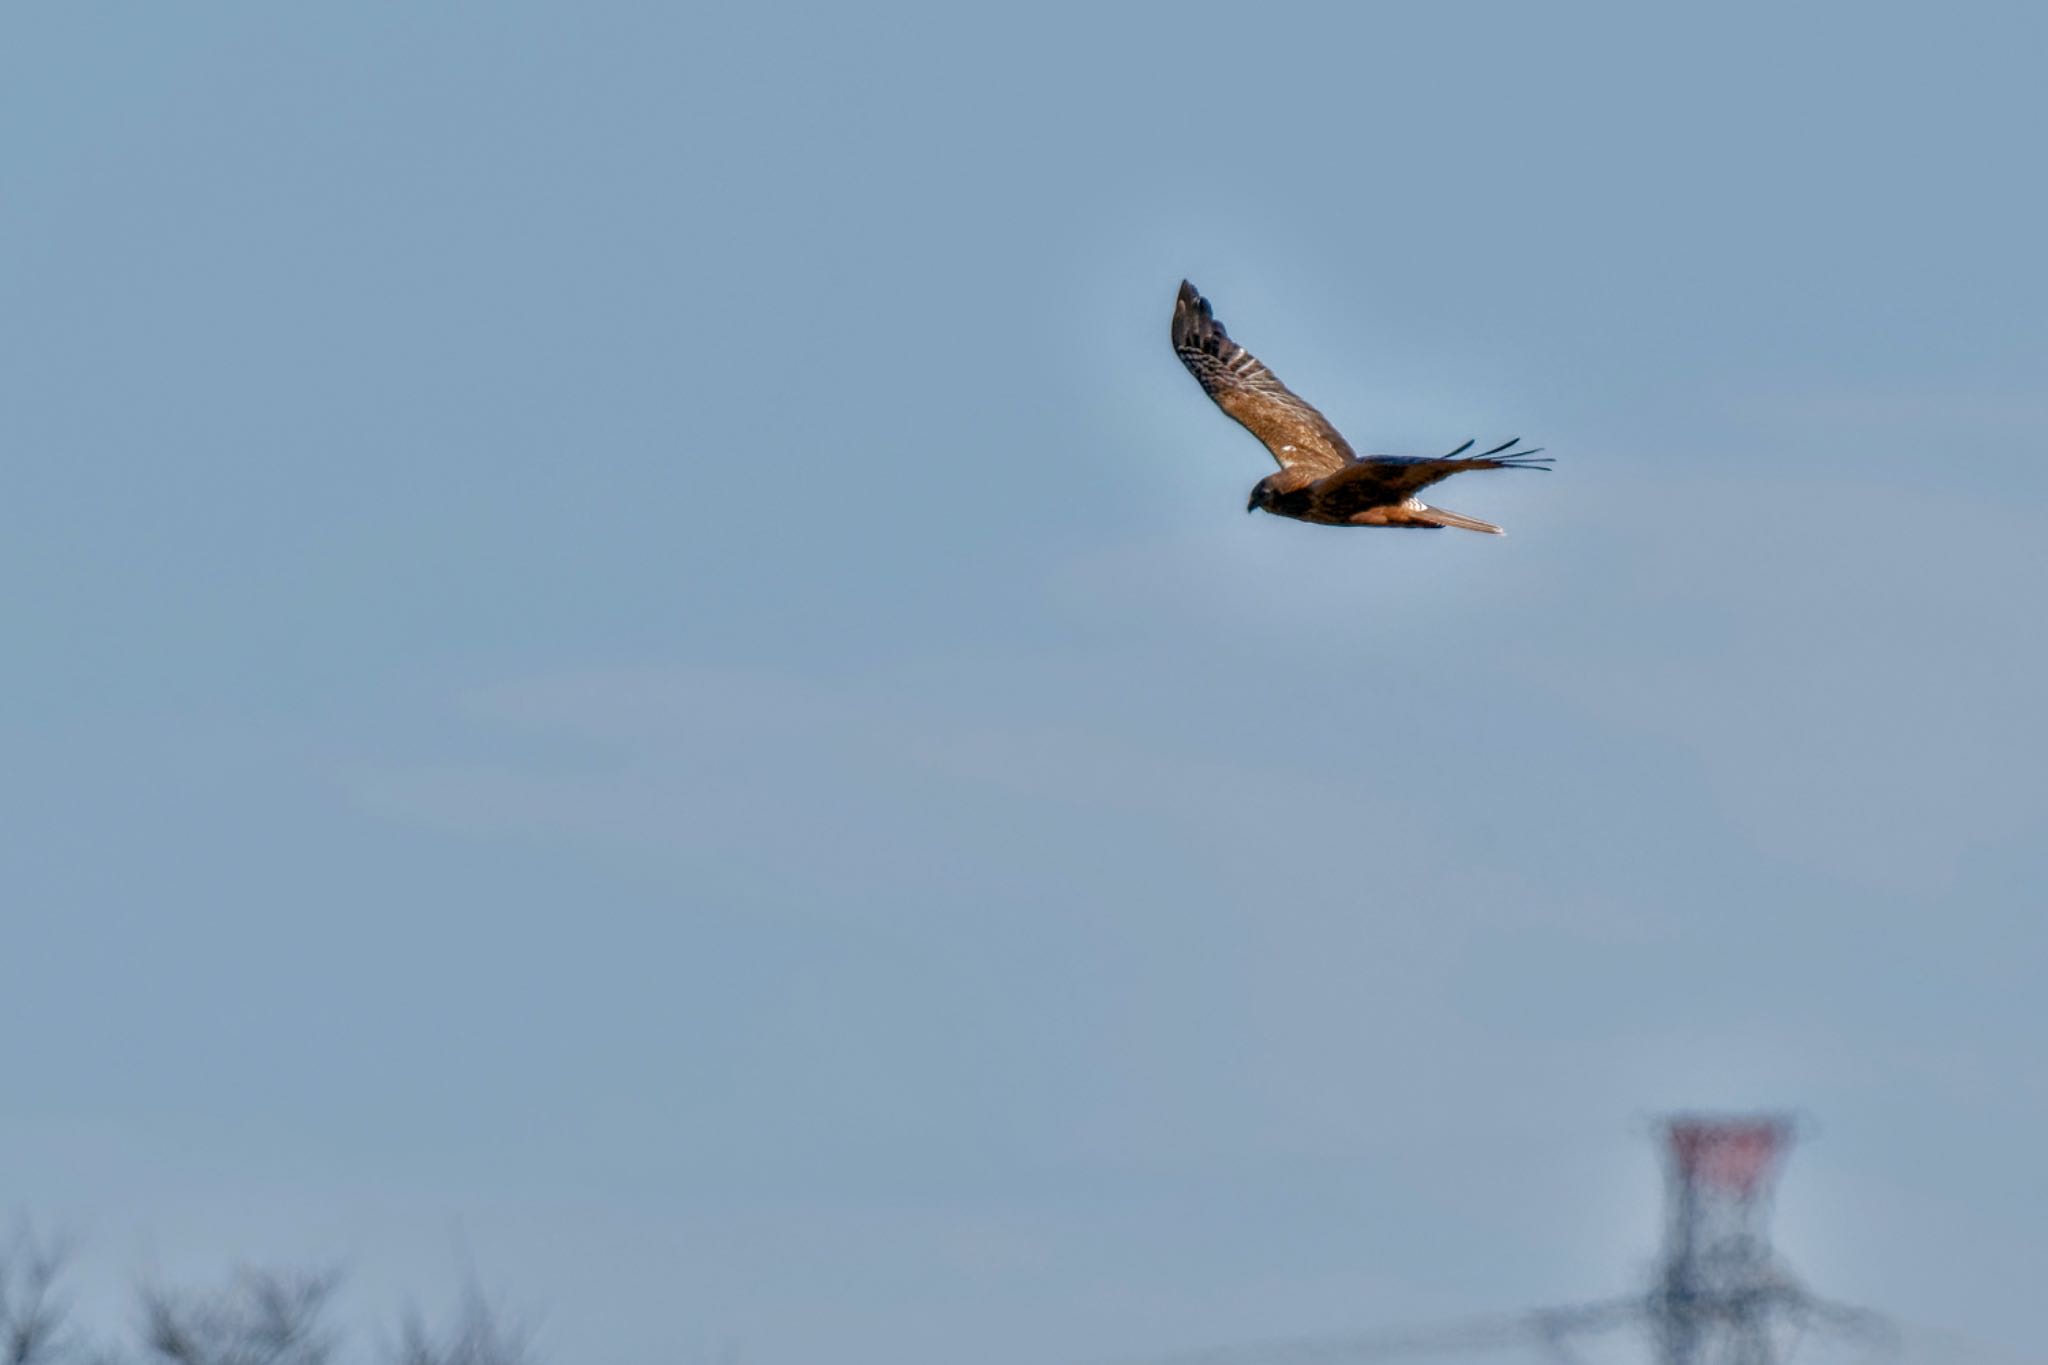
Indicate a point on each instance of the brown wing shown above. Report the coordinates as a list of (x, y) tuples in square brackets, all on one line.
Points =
[(1385, 480), (1299, 436)]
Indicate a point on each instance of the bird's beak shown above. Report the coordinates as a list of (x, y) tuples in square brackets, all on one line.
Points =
[(1252, 506)]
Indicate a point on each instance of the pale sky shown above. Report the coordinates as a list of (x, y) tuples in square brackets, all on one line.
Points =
[(632, 663)]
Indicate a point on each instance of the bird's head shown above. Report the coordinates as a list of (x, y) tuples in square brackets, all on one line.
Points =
[(1264, 492)]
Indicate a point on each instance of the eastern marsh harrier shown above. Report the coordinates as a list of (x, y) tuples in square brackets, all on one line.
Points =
[(1319, 478)]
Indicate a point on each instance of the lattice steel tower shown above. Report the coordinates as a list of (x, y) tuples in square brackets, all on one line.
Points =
[(1718, 1296), (1721, 1298)]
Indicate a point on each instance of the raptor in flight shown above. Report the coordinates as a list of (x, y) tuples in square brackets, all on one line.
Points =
[(1319, 478)]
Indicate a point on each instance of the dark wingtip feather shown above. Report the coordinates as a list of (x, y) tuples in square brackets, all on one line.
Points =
[(1192, 320), (1502, 456)]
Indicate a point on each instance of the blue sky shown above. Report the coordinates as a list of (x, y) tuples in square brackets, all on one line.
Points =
[(632, 660)]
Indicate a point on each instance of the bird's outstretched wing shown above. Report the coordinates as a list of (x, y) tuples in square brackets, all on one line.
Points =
[(1299, 436), (1383, 480)]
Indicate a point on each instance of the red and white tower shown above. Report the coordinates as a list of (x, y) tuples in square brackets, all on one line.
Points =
[(1721, 1298), (1719, 1295)]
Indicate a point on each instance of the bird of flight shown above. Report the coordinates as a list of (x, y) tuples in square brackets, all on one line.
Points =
[(1320, 479)]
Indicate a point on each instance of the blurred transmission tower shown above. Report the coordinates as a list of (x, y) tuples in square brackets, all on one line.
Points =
[(1721, 1298), (1719, 1295)]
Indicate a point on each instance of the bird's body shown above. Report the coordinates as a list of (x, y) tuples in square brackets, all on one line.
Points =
[(1320, 479)]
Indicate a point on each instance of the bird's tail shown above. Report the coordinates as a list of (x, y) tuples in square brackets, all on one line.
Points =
[(1437, 516)]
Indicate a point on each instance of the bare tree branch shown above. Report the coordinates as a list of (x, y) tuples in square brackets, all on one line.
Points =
[(478, 1337), (263, 1318), (32, 1317)]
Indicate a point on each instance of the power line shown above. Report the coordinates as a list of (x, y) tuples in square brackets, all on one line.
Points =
[(1720, 1295)]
